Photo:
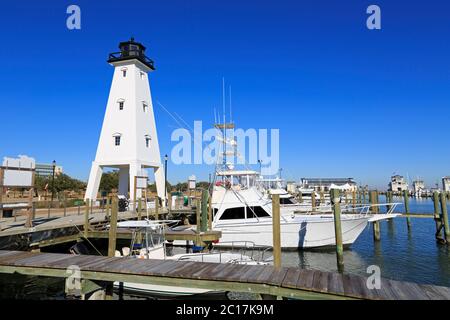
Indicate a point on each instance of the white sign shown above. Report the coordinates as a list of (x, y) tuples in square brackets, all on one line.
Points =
[(14, 176)]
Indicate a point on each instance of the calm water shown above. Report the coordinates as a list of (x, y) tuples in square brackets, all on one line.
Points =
[(412, 255)]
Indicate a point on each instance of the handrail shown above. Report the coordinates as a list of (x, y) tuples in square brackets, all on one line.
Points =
[(130, 54)]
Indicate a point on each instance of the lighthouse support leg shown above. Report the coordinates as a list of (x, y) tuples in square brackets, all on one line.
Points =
[(94, 182), (160, 182)]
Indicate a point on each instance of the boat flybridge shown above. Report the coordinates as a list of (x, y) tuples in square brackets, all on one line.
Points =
[(243, 212), (271, 186)]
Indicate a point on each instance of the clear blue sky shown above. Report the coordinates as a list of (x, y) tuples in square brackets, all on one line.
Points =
[(348, 101)]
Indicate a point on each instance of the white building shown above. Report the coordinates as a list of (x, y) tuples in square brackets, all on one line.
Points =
[(128, 140), (398, 184), (446, 184), (46, 169), (419, 188)]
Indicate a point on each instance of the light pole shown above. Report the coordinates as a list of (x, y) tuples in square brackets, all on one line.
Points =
[(165, 176), (53, 179), (259, 161)]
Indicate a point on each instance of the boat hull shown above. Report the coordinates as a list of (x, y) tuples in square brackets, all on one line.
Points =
[(297, 233), (161, 290)]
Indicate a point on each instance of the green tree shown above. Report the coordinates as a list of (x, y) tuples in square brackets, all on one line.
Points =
[(109, 181), (62, 182)]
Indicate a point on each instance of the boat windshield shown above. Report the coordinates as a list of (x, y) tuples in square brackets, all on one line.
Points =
[(238, 181)]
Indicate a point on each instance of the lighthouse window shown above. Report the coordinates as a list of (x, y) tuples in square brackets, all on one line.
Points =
[(124, 72), (117, 140), (142, 75), (145, 107), (120, 105), (147, 140)]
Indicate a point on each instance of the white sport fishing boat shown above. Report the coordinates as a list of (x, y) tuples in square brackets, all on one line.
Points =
[(242, 212), (152, 246)]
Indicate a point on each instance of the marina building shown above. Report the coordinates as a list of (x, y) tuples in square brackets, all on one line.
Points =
[(326, 184), (446, 183), (398, 184)]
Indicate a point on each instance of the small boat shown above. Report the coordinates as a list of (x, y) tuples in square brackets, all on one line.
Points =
[(148, 243)]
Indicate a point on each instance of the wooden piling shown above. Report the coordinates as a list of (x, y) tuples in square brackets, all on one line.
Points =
[(198, 214), (276, 230), (204, 213), (86, 219), (335, 201), (108, 207), (446, 233), (300, 197), (313, 200), (373, 197), (210, 217), (406, 199), (139, 209), (65, 205), (437, 216), (113, 229)]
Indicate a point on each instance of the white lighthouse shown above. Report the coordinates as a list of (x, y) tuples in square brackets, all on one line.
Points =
[(128, 140)]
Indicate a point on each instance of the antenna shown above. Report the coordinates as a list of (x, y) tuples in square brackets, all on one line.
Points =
[(231, 121), (224, 124), (223, 98)]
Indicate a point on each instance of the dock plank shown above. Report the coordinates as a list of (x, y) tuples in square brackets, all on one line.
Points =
[(205, 271), (335, 283), (349, 289), (291, 278), (10, 259), (320, 282), (252, 277), (304, 276), (230, 272), (277, 276), (143, 267), (436, 292), (180, 272)]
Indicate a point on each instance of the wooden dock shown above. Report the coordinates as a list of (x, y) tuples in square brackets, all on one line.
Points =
[(265, 280)]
